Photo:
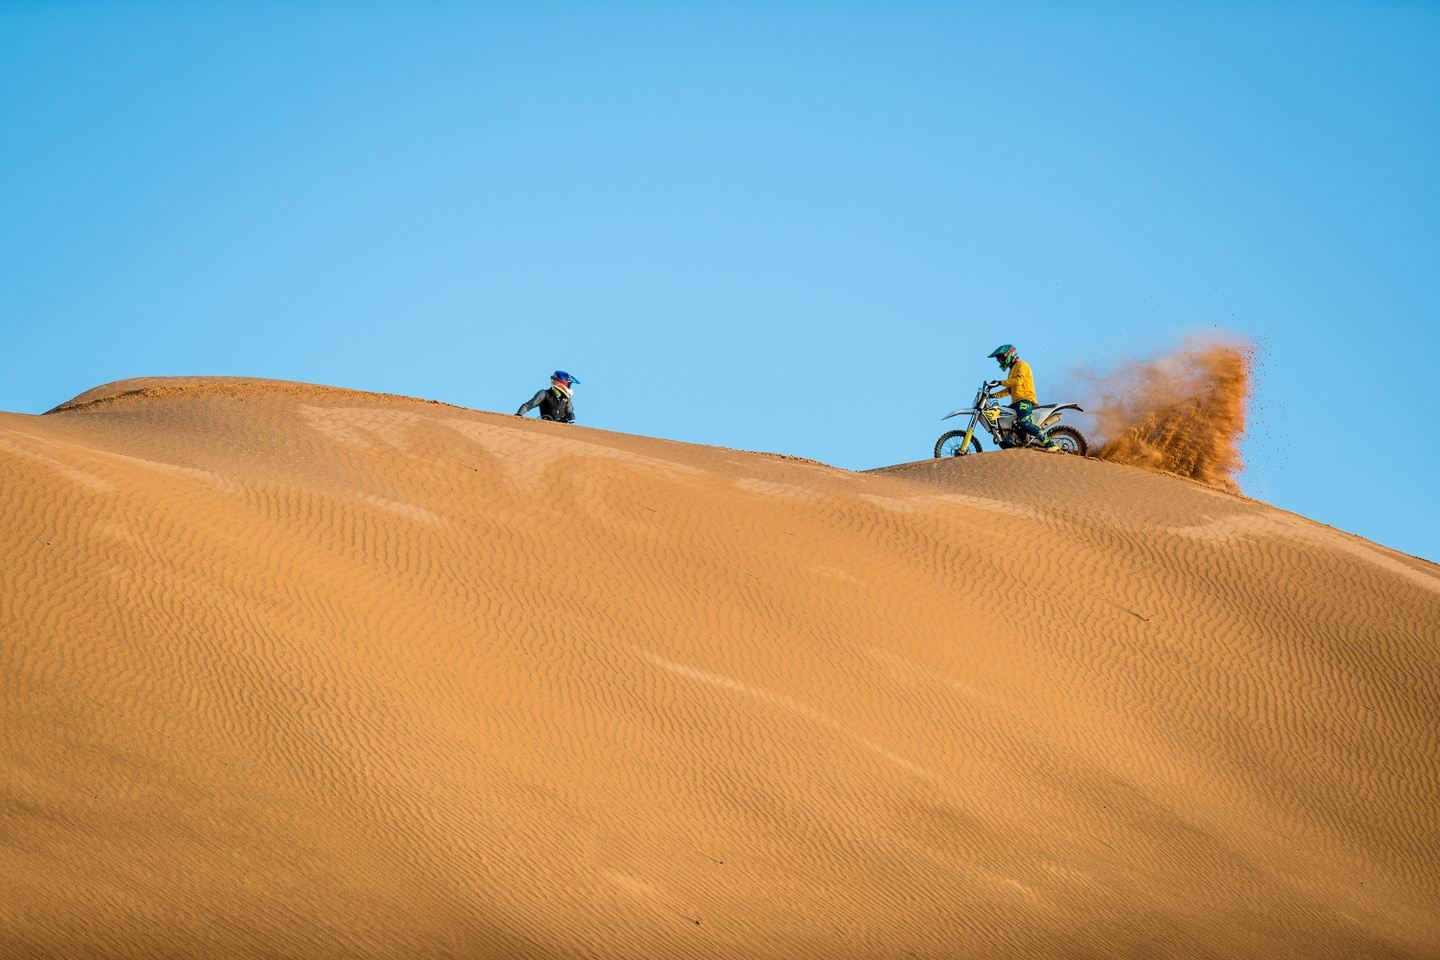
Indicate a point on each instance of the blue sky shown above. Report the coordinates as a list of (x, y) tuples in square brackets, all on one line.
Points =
[(796, 227)]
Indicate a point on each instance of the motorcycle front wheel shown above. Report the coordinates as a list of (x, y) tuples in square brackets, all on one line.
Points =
[(949, 444), (1069, 439)]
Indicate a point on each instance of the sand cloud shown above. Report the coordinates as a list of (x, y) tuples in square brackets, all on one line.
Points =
[(1182, 413)]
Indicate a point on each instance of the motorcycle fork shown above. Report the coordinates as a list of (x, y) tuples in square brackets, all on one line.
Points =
[(969, 432)]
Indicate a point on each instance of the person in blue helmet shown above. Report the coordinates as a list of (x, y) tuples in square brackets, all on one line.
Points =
[(1019, 386), (557, 402)]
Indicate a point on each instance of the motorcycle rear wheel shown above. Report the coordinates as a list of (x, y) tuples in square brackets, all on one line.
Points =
[(954, 439), (1070, 440)]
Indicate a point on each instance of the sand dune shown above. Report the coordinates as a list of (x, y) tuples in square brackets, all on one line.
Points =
[(300, 672)]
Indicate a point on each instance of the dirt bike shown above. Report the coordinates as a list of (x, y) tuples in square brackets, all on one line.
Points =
[(999, 421)]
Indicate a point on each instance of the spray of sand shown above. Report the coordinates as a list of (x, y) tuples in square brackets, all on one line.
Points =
[(1183, 413)]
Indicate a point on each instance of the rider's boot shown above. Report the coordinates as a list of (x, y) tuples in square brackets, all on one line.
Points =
[(1049, 446)]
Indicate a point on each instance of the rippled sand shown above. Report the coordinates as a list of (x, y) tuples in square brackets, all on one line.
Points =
[(292, 671)]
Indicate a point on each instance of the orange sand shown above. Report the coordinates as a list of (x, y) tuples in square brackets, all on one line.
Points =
[(1183, 413), (299, 672)]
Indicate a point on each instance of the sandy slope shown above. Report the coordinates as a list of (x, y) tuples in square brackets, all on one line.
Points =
[(300, 672)]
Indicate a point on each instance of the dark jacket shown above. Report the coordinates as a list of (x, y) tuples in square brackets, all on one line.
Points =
[(553, 406)]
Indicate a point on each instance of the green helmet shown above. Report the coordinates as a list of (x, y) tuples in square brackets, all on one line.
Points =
[(1004, 355)]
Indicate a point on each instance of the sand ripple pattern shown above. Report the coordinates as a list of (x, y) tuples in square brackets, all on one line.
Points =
[(299, 672)]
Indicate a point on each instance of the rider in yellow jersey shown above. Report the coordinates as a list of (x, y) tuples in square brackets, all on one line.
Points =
[(1019, 386)]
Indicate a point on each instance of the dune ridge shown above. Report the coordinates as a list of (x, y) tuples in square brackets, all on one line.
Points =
[(150, 388), (300, 671)]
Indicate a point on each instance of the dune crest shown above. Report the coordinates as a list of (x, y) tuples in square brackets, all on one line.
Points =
[(1183, 413), (154, 388), (307, 672)]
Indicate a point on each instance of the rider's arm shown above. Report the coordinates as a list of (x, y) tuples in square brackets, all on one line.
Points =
[(1019, 372), (530, 404)]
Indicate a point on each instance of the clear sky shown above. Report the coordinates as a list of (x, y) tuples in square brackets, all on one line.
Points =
[(796, 227)]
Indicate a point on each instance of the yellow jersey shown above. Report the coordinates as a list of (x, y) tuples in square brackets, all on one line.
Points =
[(1020, 384)]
